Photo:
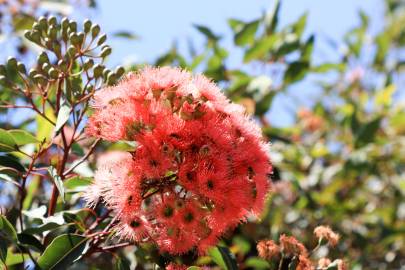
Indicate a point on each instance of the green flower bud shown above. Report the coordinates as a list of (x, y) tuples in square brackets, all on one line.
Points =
[(98, 70), (53, 73), (62, 65), (43, 58), (111, 78), (88, 64), (3, 80), (36, 26), (106, 72), (65, 23), (71, 51), (102, 39), (95, 30), (72, 26), (42, 21), (87, 25), (105, 52), (21, 68), (52, 20), (32, 73), (81, 36), (12, 63), (40, 79), (3, 70), (45, 67), (53, 33), (74, 39), (119, 71)]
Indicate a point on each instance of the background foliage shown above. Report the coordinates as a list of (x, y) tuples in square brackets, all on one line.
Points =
[(341, 163)]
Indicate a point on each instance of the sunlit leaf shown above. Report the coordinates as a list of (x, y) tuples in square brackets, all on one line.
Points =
[(58, 181)]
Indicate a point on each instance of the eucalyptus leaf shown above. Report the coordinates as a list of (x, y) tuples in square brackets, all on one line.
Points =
[(58, 181)]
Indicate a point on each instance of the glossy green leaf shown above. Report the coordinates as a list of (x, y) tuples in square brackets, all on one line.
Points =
[(223, 257), (207, 32), (296, 71), (257, 263), (126, 34), (246, 35), (58, 182), (62, 252), (63, 116), (260, 48), (7, 229), (29, 241), (7, 142), (22, 137)]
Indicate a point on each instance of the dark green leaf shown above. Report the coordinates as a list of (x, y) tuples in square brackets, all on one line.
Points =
[(62, 252), (366, 132), (307, 49), (7, 229), (273, 18), (263, 105), (207, 32), (42, 228), (77, 183), (296, 71), (29, 241), (122, 264), (58, 182), (126, 34)]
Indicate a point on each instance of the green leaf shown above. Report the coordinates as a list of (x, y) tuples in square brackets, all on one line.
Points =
[(58, 181), (29, 241), (7, 142), (15, 258), (7, 229), (122, 264), (366, 132), (62, 252), (8, 161), (260, 48), (257, 263), (207, 32), (246, 35), (63, 115), (44, 127), (22, 137), (272, 20), (223, 257), (77, 183), (307, 49), (126, 34), (299, 26), (326, 67), (3, 250), (8, 178), (296, 71), (42, 228), (264, 104)]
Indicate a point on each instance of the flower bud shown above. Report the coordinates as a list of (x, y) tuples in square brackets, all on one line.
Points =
[(71, 51), (65, 23), (52, 20), (3, 80), (98, 70), (105, 52), (88, 64), (72, 26), (43, 23), (3, 70), (119, 71), (12, 63), (53, 73), (87, 25), (95, 30), (53, 32), (43, 58), (40, 79), (101, 40), (21, 68)]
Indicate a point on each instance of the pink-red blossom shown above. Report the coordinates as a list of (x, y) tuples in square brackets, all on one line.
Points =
[(200, 167)]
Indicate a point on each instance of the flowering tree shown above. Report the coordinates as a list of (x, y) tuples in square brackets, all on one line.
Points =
[(150, 167)]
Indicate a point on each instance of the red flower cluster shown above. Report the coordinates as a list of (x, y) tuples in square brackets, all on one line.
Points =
[(200, 166)]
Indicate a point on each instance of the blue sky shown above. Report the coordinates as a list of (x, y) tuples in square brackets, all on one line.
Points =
[(160, 22)]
